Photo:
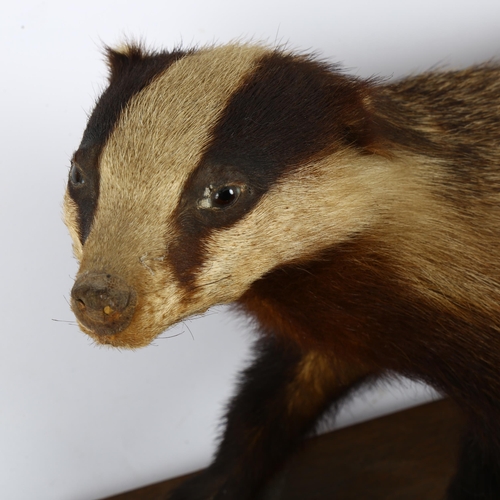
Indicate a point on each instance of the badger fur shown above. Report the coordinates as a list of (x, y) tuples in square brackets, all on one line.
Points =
[(357, 221)]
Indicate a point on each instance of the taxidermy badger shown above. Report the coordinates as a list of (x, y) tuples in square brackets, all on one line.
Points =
[(357, 222)]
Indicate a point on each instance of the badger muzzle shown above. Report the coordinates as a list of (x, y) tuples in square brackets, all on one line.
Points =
[(103, 303)]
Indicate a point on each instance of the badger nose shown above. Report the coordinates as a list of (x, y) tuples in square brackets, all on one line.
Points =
[(103, 303)]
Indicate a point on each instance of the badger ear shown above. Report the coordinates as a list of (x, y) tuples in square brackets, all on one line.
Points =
[(122, 58), (358, 123), (365, 127)]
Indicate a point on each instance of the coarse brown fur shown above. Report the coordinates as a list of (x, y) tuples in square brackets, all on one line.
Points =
[(357, 222)]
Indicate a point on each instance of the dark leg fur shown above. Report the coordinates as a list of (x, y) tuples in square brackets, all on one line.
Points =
[(279, 400), (478, 474)]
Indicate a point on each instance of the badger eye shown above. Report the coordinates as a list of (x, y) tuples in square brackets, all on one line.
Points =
[(225, 196), (75, 176)]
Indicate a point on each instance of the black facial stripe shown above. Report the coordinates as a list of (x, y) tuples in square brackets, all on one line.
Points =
[(288, 111), (86, 195), (130, 73)]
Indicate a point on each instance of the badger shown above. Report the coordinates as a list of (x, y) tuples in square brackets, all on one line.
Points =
[(355, 221)]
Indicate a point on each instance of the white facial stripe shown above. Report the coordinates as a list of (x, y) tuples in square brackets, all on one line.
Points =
[(158, 141)]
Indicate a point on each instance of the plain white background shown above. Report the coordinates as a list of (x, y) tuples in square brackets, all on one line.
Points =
[(79, 422)]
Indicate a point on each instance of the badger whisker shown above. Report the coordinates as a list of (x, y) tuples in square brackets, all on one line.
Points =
[(210, 283), (69, 322), (163, 337)]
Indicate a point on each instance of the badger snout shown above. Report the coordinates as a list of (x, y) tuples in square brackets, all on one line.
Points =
[(103, 303)]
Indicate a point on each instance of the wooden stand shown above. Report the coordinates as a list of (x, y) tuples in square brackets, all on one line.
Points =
[(408, 455)]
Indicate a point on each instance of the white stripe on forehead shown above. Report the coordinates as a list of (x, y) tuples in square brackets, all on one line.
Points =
[(157, 142)]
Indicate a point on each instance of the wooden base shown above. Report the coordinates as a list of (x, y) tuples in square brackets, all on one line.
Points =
[(408, 455)]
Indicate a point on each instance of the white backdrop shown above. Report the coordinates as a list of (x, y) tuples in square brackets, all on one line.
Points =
[(79, 422)]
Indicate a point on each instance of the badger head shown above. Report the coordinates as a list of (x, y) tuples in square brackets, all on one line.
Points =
[(200, 171)]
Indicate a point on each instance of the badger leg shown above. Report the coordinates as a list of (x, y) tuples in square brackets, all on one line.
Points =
[(478, 473), (280, 398)]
